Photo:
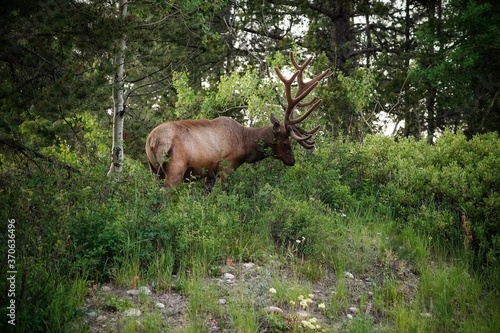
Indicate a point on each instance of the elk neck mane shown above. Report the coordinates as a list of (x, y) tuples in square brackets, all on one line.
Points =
[(260, 140)]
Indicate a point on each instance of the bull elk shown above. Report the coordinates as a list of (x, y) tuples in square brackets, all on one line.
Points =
[(192, 149)]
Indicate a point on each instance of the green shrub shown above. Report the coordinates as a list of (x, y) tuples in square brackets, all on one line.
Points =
[(431, 186)]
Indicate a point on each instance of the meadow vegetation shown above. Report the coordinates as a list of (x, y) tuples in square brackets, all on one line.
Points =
[(415, 224)]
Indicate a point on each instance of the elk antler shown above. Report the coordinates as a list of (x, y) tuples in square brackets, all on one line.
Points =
[(304, 88)]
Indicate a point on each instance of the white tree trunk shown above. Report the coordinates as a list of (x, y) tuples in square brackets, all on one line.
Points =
[(117, 155)]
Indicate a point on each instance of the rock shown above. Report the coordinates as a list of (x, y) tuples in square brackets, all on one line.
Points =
[(349, 316), (92, 314), (106, 289), (248, 265), (102, 318), (221, 301), (144, 290), (160, 305), (426, 315), (354, 310), (369, 308), (228, 276), (133, 313), (274, 309), (302, 314), (370, 294), (349, 275)]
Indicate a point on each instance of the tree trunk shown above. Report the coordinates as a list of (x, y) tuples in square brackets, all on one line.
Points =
[(431, 94), (430, 106), (368, 33), (340, 31), (117, 155), (412, 127)]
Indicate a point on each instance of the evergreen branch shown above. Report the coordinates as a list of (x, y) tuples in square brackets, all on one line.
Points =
[(31, 154), (149, 74)]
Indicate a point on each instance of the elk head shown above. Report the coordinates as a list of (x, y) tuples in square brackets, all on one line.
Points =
[(290, 127)]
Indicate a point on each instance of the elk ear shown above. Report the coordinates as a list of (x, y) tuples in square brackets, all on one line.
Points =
[(273, 119), (275, 122)]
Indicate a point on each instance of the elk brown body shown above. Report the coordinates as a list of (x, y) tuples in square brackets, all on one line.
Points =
[(193, 149)]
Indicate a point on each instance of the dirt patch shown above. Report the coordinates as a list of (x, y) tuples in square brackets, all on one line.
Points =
[(109, 308)]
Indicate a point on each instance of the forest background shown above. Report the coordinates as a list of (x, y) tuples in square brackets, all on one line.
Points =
[(83, 83)]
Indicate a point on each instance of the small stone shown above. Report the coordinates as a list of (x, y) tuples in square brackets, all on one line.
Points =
[(92, 314), (248, 265), (221, 301), (426, 315), (348, 275), (274, 309), (144, 290), (106, 289), (349, 316), (133, 313), (133, 292), (354, 310), (102, 318), (228, 276), (160, 305), (302, 314), (369, 308), (370, 294)]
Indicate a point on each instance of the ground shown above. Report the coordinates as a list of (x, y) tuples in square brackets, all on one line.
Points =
[(272, 294)]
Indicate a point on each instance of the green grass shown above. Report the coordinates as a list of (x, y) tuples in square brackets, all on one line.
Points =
[(379, 211), (407, 284)]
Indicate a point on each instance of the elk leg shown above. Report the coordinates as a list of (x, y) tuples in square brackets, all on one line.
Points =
[(210, 183), (161, 174), (156, 171), (173, 174), (224, 175)]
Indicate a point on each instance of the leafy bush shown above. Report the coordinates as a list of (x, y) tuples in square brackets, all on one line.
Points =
[(431, 186)]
